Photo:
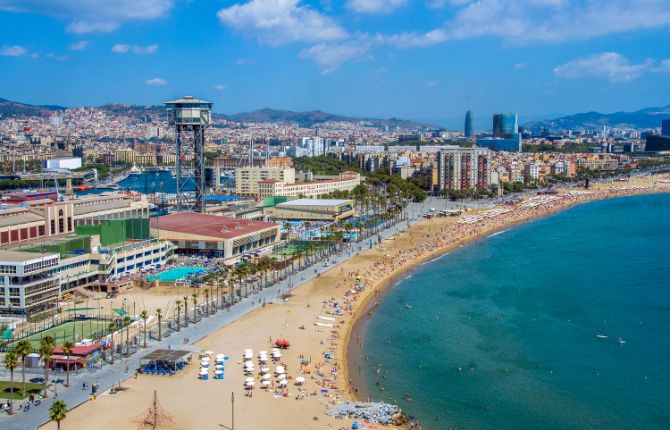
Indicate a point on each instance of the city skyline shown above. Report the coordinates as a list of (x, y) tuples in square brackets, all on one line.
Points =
[(420, 60)]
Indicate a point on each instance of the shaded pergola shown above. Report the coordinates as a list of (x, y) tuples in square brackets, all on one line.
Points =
[(171, 356)]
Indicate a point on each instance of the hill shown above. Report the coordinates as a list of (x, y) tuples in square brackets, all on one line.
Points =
[(306, 119), (311, 118), (644, 118), (9, 108)]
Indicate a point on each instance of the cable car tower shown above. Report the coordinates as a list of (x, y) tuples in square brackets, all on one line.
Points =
[(190, 117)]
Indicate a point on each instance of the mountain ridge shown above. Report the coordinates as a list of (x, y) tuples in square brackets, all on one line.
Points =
[(643, 118)]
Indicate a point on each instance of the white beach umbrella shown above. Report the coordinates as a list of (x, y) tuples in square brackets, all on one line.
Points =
[(266, 383), (283, 382), (263, 359), (265, 369), (249, 379), (219, 366), (249, 384), (266, 376), (204, 371), (300, 380), (282, 376), (280, 369), (262, 353), (220, 356)]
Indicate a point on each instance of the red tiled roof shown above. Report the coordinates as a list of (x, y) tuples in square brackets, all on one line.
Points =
[(79, 350), (209, 225)]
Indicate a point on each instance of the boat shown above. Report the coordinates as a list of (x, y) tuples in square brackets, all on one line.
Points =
[(107, 187), (81, 187), (620, 340), (408, 306), (134, 172), (601, 336)]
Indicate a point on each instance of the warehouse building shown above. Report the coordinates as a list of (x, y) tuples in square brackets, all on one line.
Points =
[(331, 210)]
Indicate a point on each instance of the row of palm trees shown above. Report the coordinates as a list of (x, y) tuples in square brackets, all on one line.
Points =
[(19, 355)]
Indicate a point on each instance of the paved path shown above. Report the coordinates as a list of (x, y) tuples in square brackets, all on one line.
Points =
[(111, 375)]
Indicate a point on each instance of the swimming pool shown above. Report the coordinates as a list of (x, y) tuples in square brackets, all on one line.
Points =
[(175, 274)]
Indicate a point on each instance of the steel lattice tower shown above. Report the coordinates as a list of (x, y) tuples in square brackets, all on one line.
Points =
[(190, 117)]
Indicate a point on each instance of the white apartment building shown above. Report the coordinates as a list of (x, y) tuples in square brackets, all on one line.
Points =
[(346, 182), (247, 178)]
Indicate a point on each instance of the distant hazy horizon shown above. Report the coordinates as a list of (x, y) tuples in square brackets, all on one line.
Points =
[(394, 58)]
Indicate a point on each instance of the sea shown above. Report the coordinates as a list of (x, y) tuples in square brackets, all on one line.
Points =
[(153, 183), (502, 333)]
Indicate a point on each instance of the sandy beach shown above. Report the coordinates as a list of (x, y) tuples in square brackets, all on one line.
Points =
[(304, 320)]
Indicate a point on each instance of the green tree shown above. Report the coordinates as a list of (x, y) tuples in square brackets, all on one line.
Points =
[(112, 328), (145, 316), (11, 362), (68, 347), (23, 348), (58, 411), (126, 323), (178, 302), (47, 346), (159, 315)]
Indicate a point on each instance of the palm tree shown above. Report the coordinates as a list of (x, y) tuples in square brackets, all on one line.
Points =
[(112, 328), (126, 322), (185, 311), (145, 316), (206, 301), (57, 411), (159, 315), (23, 348), (68, 346), (194, 296), (11, 362), (47, 345), (178, 302)]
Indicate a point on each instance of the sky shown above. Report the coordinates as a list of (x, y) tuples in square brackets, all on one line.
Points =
[(418, 59)]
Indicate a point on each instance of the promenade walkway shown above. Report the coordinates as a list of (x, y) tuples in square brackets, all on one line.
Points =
[(110, 375)]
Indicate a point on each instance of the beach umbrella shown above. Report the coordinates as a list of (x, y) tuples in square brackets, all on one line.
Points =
[(265, 369), (203, 371), (266, 376), (266, 383), (249, 379), (249, 384), (263, 359), (219, 366), (300, 380), (220, 357), (280, 369), (282, 376), (262, 353), (283, 382)]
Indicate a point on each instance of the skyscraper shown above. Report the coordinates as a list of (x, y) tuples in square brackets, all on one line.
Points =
[(505, 125), (469, 124), (665, 127)]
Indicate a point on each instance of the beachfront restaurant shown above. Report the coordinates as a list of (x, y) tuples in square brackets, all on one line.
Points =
[(164, 361), (77, 360)]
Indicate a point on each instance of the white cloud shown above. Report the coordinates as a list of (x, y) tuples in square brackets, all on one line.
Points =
[(79, 46), (280, 22), (663, 67), (85, 27), (13, 51), (412, 39), (242, 61), (221, 87), (156, 82), (121, 48), (519, 66), (609, 65), (528, 21), (330, 56), (375, 6), (93, 16)]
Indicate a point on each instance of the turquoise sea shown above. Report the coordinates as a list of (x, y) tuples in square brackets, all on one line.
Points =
[(502, 333)]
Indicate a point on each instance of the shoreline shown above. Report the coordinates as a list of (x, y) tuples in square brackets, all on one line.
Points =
[(356, 323), (295, 319)]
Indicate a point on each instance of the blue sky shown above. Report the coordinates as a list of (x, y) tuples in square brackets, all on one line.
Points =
[(419, 59)]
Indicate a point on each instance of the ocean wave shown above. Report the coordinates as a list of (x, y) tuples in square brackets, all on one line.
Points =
[(497, 233)]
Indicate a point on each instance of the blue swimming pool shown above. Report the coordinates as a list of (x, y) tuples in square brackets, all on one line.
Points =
[(176, 274)]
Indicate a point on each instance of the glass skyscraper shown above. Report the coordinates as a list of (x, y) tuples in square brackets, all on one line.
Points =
[(469, 124), (505, 125)]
